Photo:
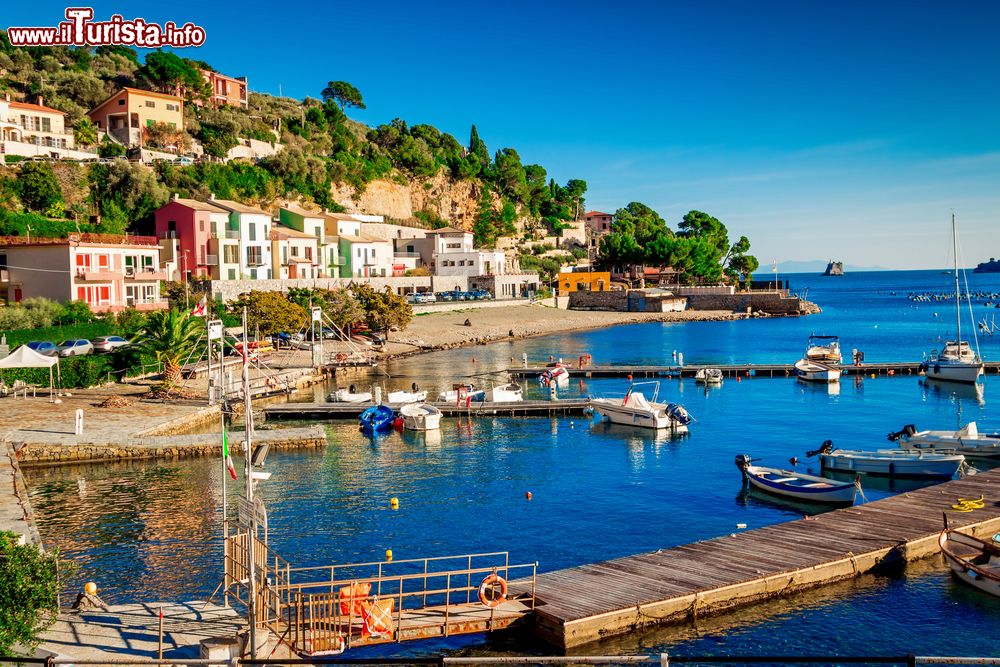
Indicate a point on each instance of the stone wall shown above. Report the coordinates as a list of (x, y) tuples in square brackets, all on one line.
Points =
[(771, 303), (15, 508), (230, 289), (616, 300), (689, 290)]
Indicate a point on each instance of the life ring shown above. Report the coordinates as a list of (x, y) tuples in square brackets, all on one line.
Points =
[(341, 356), (488, 590)]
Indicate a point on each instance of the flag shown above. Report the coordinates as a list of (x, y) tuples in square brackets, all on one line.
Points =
[(200, 309), (628, 394), (225, 455)]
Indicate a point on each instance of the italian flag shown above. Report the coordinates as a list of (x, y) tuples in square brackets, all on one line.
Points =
[(225, 455)]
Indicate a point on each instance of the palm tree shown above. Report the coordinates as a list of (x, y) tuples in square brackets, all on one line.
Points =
[(170, 335)]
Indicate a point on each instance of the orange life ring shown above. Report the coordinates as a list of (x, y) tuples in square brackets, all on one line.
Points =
[(341, 356), (488, 589)]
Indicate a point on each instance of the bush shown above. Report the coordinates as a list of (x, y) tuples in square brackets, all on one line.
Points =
[(75, 312), (29, 588)]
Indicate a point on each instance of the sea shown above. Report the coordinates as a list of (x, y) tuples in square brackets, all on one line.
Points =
[(151, 530)]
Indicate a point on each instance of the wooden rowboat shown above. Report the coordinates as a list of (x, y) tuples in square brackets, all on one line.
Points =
[(974, 561), (797, 485)]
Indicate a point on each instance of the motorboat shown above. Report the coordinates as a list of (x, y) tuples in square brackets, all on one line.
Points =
[(508, 393), (350, 395), (636, 410), (797, 485), (462, 393), (402, 397), (890, 462), (966, 440), (957, 361), (420, 417), (814, 371), (708, 376), (824, 349), (556, 373), (974, 561), (376, 419)]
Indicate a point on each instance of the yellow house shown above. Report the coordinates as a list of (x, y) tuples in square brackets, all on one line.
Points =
[(584, 281), (127, 112)]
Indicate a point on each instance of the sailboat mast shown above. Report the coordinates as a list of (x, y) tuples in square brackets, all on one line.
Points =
[(958, 301)]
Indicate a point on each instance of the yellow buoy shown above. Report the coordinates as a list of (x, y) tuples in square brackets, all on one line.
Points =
[(90, 588), (394, 503), (388, 554), (873, 376)]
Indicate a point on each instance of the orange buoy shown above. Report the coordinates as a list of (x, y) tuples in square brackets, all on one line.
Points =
[(527, 494), (629, 377), (739, 379)]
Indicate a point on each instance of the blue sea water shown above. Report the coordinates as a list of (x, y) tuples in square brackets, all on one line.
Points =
[(151, 530)]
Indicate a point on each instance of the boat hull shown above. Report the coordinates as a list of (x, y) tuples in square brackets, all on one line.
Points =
[(813, 372), (966, 373), (973, 561), (828, 491), (896, 465), (376, 419), (403, 397), (642, 418), (421, 418)]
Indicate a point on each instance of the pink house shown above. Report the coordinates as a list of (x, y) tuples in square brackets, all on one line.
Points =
[(197, 227)]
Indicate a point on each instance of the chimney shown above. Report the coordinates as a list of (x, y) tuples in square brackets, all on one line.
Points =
[(175, 197), (6, 97), (39, 101), (211, 196)]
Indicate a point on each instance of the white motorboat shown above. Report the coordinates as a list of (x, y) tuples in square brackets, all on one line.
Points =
[(461, 393), (708, 376), (966, 440), (350, 395), (974, 561), (824, 349), (636, 410), (891, 462), (508, 393), (557, 374), (795, 484), (814, 371), (420, 417), (401, 397), (957, 361)]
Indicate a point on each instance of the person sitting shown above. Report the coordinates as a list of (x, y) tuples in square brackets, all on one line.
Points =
[(468, 322)]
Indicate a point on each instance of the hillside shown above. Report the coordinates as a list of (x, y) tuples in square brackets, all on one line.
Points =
[(405, 172)]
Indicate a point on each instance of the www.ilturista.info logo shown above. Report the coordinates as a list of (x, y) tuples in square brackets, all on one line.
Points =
[(80, 30)]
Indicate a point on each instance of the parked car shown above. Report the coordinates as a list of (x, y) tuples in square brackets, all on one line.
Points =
[(457, 295), (430, 297), (443, 296), (109, 343), (44, 347), (415, 298), (75, 347)]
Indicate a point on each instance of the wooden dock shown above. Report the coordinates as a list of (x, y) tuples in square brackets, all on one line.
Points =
[(582, 604), (730, 370), (572, 406)]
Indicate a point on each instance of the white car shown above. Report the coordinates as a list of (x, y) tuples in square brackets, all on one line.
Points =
[(75, 347), (109, 343)]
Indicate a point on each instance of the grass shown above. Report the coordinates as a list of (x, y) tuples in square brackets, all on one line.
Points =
[(57, 334)]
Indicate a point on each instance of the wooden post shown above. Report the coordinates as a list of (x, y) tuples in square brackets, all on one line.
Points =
[(159, 647)]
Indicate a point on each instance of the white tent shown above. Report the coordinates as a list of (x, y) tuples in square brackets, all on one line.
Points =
[(25, 357)]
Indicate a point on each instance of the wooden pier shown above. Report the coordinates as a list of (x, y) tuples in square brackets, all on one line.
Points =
[(578, 605), (561, 407), (730, 370)]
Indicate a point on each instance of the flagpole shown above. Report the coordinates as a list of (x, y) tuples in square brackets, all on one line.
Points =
[(248, 468)]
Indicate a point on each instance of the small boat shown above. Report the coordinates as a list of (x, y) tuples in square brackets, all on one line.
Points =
[(974, 561), (402, 397), (814, 371), (554, 373), (508, 393), (824, 349), (376, 419), (890, 462), (795, 484), (636, 410), (967, 440), (420, 417), (350, 395), (957, 361), (708, 376), (460, 393)]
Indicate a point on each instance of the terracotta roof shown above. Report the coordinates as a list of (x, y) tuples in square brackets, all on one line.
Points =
[(593, 213), (198, 205), (362, 238), (447, 230), (136, 91), (341, 216), (294, 233), (34, 107), (298, 210), (238, 207)]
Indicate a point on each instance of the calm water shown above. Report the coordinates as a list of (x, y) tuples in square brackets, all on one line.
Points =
[(141, 529)]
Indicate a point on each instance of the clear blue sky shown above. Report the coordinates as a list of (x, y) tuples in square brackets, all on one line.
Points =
[(819, 129)]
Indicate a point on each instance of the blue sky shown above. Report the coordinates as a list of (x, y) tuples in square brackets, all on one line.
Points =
[(845, 130)]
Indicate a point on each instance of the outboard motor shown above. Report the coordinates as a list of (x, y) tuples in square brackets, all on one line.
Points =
[(678, 414), (743, 462), (825, 448), (906, 432)]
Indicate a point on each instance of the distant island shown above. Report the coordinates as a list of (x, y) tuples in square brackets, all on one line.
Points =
[(834, 269), (992, 266)]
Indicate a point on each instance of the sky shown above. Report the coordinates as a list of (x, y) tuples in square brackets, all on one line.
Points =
[(821, 130)]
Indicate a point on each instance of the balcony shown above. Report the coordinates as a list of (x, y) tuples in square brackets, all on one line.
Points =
[(103, 275), (145, 274), (404, 255), (255, 261), (213, 260), (227, 234)]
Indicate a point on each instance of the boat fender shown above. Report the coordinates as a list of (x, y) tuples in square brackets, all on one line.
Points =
[(488, 590)]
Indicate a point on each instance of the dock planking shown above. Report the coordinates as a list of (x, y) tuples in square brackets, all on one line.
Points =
[(581, 604), (572, 406), (729, 370)]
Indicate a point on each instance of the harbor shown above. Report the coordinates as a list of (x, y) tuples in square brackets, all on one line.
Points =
[(728, 370)]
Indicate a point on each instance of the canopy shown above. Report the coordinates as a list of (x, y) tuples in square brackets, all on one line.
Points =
[(25, 357)]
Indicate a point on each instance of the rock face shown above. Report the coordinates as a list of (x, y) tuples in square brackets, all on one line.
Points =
[(454, 201)]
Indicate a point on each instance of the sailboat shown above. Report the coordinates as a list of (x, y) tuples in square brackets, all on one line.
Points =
[(956, 362)]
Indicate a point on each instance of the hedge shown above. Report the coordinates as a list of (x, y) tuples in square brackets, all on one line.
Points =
[(88, 370)]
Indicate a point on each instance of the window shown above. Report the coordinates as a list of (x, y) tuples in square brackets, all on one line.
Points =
[(295, 251), (82, 262), (231, 254), (171, 107), (254, 257), (309, 253), (121, 102), (103, 262), (46, 124), (253, 231), (284, 254), (151, 104), (232, 274), (201, 225), (95, 295)]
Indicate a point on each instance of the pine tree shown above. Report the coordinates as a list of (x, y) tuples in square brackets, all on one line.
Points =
[(477, 148)]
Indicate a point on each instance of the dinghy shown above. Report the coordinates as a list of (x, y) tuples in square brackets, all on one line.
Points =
[(890, 462), (402, 397), (708, 376), (508, 393), (460, 393), (376, 419), (350, 395), (636, 410), (974, 561), (967, 440), (795, 484), (420, 417), (556, 374)]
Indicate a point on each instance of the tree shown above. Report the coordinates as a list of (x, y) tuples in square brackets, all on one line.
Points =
[(269, 312), (39, 190), (125, 193), (478, 150), (167, 72), (171, 335), (29, 588), (85, 133), (111, 149), (384, 309), (343, 94), (484, 231), (342, 308)]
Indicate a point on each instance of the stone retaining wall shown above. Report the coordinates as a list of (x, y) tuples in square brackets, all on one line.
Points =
[(771, 303), (616, 300), (15, 508)]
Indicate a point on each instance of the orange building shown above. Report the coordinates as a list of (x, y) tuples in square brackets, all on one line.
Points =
[(584, 281), (226, 89), (127, 112)]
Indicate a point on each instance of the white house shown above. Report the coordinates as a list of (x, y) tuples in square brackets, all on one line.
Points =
[(254, 226)]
